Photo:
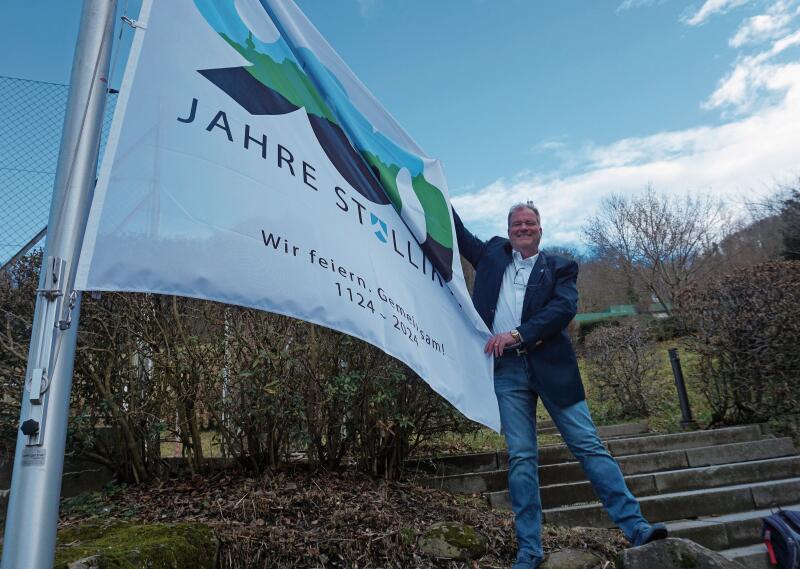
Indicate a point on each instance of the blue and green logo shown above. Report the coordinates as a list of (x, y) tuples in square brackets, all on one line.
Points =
[(382, 232), (281, 80)]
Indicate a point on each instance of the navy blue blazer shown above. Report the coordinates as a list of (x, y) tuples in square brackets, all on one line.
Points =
[(551, 301)]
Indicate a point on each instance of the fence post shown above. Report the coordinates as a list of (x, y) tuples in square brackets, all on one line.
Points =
[(687, 422)]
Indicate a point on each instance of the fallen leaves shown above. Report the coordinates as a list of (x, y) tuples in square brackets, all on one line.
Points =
[(299, 518)]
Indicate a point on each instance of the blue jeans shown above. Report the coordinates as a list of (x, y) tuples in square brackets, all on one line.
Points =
[(517, 398)]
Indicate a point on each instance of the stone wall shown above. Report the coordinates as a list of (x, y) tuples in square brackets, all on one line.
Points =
[(79, 476)]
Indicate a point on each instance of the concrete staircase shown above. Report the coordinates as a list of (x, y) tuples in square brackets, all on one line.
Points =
[(712, 487)]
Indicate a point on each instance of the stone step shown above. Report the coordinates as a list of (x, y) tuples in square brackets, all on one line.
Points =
[(551, 430), (681, 441), (664, 483), (673, 481), (471, 483), (488, 461), (675, 459), (606, 431), (724, 532), (556, 454), (623, 429), (750, 557), (458, 464), (686, 504), (480, 462), (571, 472), (564, 454), (681, 477)]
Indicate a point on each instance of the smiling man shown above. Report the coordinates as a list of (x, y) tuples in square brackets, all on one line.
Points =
[(527, 298)]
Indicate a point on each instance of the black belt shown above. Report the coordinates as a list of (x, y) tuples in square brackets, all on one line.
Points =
[(515, 351)]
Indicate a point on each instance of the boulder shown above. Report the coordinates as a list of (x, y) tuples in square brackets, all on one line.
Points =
[(92, 562), (674, 553), (134, 546), (572, 559), (452, 540)]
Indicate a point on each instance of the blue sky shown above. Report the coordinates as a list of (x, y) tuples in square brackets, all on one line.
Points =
[(559, 101)]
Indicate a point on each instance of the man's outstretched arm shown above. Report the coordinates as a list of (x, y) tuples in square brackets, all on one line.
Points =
[(469, 246)]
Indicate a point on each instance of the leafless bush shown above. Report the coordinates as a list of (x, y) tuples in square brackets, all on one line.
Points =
[(154, 367), (746, 330), (658, 242), (118, 406), (255, 402), (362, 404), (623, 369)]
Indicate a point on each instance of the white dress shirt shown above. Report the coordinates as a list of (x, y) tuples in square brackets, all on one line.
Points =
[(508, 313)]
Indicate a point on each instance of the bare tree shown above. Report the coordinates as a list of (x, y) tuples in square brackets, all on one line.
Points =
[(767, 230), (661, 243), (754, 242), (564, 251)]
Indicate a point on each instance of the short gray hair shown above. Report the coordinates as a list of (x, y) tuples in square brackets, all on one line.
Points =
[(524, 205)]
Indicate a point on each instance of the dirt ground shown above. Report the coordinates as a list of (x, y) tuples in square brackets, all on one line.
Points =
[(299, 518)]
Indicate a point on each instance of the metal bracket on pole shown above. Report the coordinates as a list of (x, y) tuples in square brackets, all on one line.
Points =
[(50, 299), (53, 278), (66, 322), (133, 23)]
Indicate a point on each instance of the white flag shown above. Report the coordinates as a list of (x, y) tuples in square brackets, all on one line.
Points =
[(248, 165)]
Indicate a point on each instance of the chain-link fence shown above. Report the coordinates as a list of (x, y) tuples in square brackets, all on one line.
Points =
[(31, 121)]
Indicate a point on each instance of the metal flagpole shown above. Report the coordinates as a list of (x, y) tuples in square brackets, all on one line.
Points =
[(31, 523)]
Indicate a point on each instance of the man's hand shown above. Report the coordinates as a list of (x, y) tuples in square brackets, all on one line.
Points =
[(498, 343)]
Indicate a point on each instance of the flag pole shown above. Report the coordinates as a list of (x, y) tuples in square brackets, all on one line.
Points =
[(31, 523)]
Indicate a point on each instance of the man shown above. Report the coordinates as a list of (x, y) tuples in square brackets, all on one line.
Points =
[(527, 299)]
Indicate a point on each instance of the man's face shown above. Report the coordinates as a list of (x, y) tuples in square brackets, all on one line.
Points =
[(524, 231)]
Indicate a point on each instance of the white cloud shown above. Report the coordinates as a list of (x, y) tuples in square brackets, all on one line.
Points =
[(748, 155), (785, 43), (767, 26), (758, 28), (630, 4), (736, 158), (739, 89), (550, 145), (712, 7), (751, 76)]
